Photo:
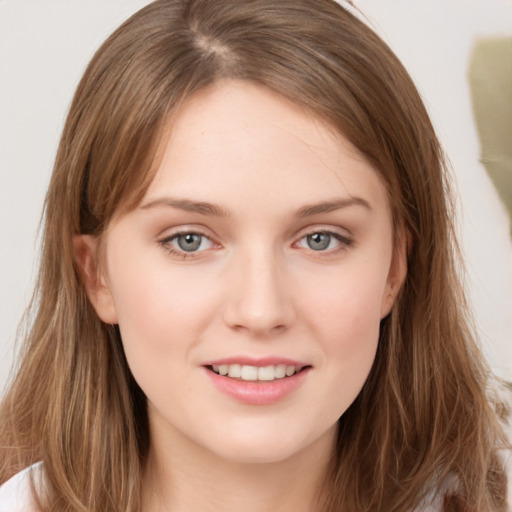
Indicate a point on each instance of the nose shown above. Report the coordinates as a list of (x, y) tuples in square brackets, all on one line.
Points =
[(260, 300)]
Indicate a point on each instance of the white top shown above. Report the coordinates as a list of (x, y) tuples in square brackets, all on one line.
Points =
[(16, 493)]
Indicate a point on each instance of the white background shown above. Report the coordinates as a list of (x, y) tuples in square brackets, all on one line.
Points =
[(45, 45)]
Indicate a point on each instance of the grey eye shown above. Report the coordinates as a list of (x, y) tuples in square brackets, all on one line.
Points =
[(189, 242), (318, 241)]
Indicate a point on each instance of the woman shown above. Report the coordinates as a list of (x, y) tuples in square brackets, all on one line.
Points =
[(247, 295)]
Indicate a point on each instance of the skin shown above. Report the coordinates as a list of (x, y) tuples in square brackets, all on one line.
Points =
[(254, 288)]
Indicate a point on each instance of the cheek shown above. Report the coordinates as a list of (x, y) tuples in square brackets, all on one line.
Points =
[(347, 301), (353, 334), (159, 330), (346, 322), (160, 311)]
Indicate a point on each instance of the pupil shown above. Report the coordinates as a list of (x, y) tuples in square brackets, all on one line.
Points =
[(189, 242), (319, 241)]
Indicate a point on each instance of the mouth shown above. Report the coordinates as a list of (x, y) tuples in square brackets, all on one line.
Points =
[(248, 373), (263, 381)]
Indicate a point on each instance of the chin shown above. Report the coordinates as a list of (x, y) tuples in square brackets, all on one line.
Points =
[(245, 453), (270, 445)]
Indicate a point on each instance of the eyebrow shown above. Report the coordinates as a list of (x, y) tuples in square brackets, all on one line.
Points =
[(332, 205), (205, 208), (187, 205)]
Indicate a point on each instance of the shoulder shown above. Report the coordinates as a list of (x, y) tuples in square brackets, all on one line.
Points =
[(504, 411), (500, 396), (16, 494)]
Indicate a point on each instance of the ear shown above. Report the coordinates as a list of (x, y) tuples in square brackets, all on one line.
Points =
[(397, 273), (86, 249)]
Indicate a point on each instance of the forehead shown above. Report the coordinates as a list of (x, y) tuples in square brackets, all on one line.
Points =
[(238, 140)]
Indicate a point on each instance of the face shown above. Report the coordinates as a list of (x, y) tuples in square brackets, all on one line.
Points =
[(250, 282)]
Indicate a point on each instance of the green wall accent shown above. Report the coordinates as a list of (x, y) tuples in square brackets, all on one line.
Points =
[(490, 79)]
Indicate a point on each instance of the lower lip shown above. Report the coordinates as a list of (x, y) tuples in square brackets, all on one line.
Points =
[(258, 392)]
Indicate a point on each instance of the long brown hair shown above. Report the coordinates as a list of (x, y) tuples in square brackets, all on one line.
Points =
[(422, 418)]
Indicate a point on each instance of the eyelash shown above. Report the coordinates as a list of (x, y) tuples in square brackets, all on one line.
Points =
[(344, 243), (166, 244)]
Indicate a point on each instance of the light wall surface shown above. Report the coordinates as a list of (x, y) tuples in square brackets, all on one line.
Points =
[(46, 44)]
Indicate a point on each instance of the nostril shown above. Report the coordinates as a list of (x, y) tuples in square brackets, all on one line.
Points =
[(259, 304)]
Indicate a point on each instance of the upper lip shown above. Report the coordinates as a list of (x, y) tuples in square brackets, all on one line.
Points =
[(256, 361)]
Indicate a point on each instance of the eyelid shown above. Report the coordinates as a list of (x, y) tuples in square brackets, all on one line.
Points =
[(177, 229), (336, 231), (165, 241), (344, 240)]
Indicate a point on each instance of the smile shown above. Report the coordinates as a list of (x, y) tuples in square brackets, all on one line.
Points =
[(263, 382), (255, 373)]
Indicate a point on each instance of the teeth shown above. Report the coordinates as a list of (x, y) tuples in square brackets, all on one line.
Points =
[(253, 373), (266, 373), (249, 373), (235, 370), (290, 370), (280, 371)]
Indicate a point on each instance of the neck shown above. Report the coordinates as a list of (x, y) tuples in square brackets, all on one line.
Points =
[(183, 477)]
